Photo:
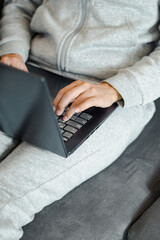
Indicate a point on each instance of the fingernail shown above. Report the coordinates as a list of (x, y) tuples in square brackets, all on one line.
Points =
[(58, 112), (54, 108), (77, 110), (65, 118)]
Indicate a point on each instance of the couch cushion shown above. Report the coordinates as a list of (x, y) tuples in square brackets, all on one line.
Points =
[(148, 225)]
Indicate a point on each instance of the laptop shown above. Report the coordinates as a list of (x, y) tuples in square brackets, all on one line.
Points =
[(26, 111)]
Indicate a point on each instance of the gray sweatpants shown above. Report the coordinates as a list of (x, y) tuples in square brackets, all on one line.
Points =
[(32, 178)]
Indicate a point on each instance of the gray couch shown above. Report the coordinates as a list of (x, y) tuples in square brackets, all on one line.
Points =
[(122, 202)]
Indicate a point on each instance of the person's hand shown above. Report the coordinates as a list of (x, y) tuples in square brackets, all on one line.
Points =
[(14, 60), (84, 95)]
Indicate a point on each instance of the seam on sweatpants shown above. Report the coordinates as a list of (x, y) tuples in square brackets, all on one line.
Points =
[(13, 199)]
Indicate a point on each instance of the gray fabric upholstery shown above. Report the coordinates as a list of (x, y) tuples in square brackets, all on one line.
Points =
[(148, 225), (104, 207)]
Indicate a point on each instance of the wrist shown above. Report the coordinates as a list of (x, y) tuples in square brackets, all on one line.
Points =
[(114, 93), (12, 55)]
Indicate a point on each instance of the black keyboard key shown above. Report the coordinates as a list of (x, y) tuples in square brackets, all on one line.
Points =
[(67, 135), (61, 125), (71, 129), (80, 120), (60, 120), (86, 116), (77, 114), (65, 139), (74, 124), (62, 131), (73, 117)]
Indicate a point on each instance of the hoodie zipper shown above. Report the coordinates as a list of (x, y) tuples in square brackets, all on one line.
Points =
[(63, 54)]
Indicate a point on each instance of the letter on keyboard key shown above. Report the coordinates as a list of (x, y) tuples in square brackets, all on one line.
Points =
[(70, 129)]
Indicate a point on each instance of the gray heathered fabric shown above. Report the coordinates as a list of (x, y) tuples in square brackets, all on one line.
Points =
[(32, 178), (7, 144), (101, 39)]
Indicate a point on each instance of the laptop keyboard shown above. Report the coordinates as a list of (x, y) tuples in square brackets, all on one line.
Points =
[(73, 125)]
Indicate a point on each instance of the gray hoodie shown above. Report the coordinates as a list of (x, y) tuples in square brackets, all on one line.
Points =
[(115, 41)]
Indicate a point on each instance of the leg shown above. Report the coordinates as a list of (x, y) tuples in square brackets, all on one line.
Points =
[(7, 144), (31, 178)]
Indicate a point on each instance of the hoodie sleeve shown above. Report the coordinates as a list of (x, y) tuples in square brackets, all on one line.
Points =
[(140, 83), (15, 34)]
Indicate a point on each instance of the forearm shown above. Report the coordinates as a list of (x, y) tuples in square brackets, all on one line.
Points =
[(15, 27)]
